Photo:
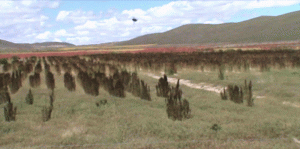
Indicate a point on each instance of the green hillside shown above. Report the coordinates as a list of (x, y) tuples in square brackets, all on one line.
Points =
[(261, 29), (6, 46)]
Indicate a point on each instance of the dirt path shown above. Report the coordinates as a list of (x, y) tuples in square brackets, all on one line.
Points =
[(211, 87), (291, 104), (203, 86)]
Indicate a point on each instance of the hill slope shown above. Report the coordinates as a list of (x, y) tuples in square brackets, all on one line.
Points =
[(260, 29), (6, 44), (26, 46)]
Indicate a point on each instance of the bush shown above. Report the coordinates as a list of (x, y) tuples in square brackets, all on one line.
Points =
[(235, 93), (29, 98), (47, 110), (10, 112), (250, 100), (162, 87), (221, 72), (223, 94), (69, 82), (33, 58), (15, 59), (46, 113), (3, 61), (177, 110), (101, 102), (35, 80), (145, 91), (50, 82)]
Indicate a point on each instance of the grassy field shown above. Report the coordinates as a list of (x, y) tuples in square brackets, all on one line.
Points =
[(134, 123)]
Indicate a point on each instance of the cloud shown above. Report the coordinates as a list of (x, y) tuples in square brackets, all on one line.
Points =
[(62, 15), (88, 25), (62, 32), (125, 34), (78, 40), (77, 16), (23, 19), (214, 21), (57, 40), (83, 32), (186, 22), (146, 30), (270, 3), (44, 35)]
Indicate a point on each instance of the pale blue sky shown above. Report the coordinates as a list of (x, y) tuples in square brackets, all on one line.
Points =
[(94, 22)]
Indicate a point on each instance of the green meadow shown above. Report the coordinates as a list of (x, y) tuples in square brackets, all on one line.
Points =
[(76, 121)]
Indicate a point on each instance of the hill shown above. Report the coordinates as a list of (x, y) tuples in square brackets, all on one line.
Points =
[(6, 45), (52, 44), (10, 45), (261, 29)]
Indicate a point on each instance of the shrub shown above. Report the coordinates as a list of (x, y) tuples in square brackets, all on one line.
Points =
[(46, 113), (50, 82), (35, 80), (47, 110), (221, 72), (162, 87), (235, 93), (4, 96), (15, 82), (69, 82), (3, 61), (223, 94), (15, 59), (135, 87), (10, 112), (250, 100), (119, 89), (57, 68), (7, 67), (38, 67), (101, 102), (145, 91), (29, 98), (177, 110)]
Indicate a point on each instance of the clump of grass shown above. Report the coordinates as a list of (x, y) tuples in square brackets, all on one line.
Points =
[(216, 128), (238, 94), (162, 87), (35, 80), (10, 112), (69, 81), (235, 93), (47, 110), (50, 81), (248, 93), (101, 102), (176, 109), (221, 72), (223, 94), (29, 97), (145, 91)]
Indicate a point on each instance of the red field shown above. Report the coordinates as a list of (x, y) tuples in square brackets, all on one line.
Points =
[(208, 48)]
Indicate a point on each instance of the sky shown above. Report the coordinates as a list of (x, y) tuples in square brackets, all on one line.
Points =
[(101, 21)]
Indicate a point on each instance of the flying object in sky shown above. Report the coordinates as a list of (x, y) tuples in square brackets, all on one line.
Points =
[(134, 19)]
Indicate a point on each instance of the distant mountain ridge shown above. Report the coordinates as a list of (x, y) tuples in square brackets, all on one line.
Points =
[(284, 27), (26, 46)]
